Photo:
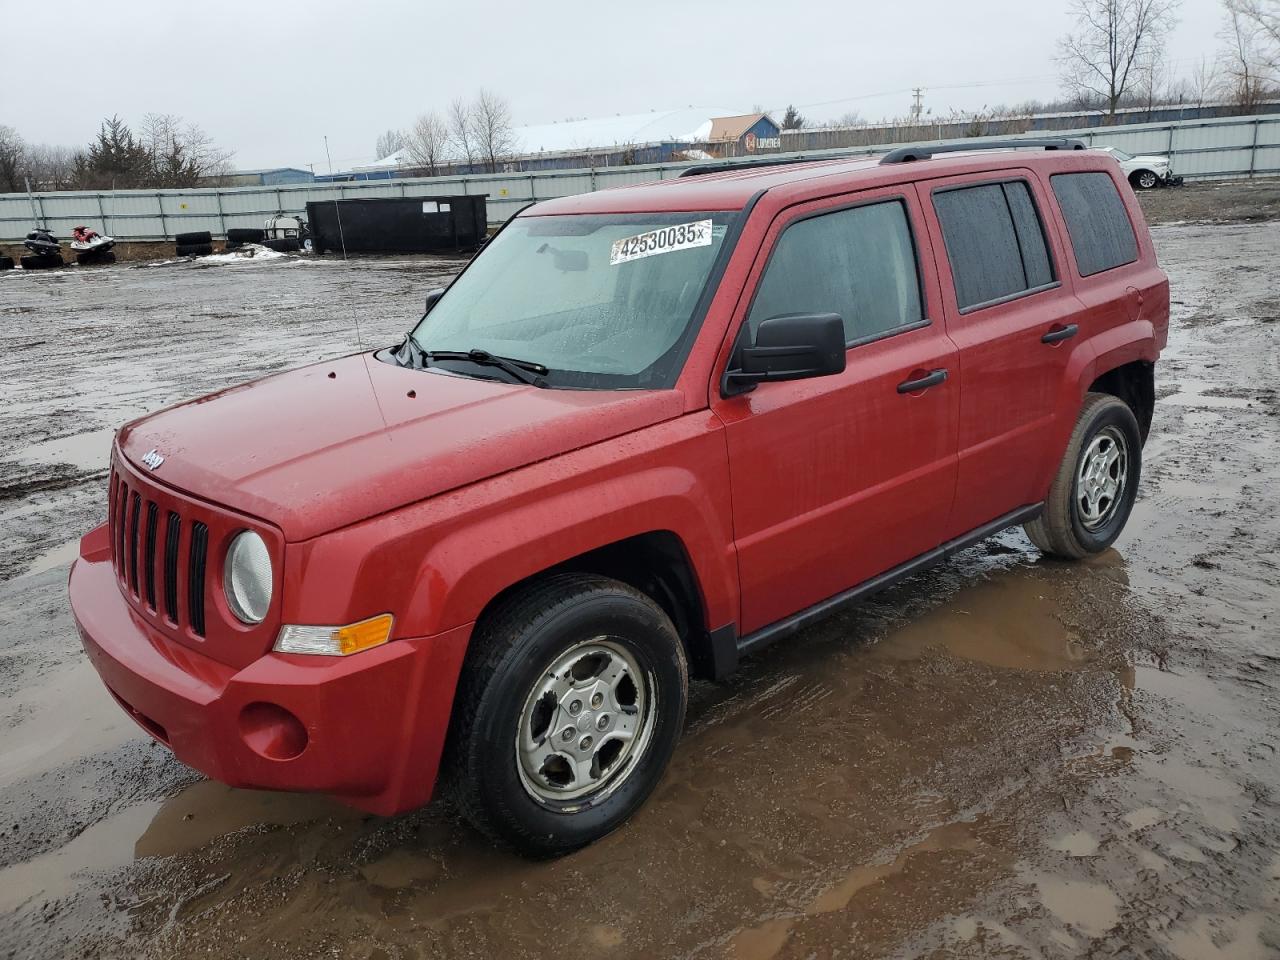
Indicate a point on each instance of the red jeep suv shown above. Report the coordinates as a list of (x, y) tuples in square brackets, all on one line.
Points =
[(645, 432)]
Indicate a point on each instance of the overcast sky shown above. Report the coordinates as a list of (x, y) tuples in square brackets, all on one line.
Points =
[(270, 80)]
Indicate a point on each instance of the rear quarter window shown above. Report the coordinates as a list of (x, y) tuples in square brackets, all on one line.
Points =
[(1102, 237), (995, 242)]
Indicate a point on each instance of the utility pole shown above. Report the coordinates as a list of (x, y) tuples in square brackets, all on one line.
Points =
[(917, 106)]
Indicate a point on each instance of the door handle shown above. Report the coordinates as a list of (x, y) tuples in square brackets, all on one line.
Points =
[(931, 379), (1058, 334)]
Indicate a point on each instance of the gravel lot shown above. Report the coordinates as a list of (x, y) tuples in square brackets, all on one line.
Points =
[(1002, 757)]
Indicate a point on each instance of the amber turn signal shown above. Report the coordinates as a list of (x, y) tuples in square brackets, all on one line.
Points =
[(335, 641)]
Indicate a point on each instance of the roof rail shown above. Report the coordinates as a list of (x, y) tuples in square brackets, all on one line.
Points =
[(925, 151), (725, 166)]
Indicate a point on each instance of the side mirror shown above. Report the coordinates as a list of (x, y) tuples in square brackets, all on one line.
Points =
[(793, 346), (432, 297)]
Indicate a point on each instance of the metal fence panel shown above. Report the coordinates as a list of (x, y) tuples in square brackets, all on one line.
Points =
[(1199, 149)]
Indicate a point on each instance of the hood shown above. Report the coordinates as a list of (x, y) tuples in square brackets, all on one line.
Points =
[(324, 446), (1151, 160)]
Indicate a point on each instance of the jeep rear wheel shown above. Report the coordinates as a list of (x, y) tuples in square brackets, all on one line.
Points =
[(1093, 492), (568, 710)]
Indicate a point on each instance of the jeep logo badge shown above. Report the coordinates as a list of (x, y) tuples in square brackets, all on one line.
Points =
[(153, 458)]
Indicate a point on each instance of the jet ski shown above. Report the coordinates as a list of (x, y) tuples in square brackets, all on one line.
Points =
[(45, 252), (42, 243), (84, 240)]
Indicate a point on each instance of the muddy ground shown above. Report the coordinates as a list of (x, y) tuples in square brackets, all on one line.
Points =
[(1004, 757)]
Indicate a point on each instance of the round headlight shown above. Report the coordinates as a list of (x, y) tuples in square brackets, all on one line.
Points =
[(247, 577)]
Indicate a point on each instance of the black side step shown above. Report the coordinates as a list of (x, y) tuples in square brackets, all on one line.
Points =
[(761, 638)]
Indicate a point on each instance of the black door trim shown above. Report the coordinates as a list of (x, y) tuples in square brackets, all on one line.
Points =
[(761, 638)]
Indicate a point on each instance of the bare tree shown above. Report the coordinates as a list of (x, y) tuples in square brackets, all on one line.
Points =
[(1263, 17), (491, 129), (51, 167), (1243, 58), (13, 155), (1112, 37), (461, 135), (427, 142), (1153, 79), (389, 142), (1204, 81), (180, 154)]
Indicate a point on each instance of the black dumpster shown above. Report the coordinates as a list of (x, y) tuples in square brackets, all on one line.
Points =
[(398, 224)]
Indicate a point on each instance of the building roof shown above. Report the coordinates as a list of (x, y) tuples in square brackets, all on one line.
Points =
[(631, 129), (624, 130), (266, 170), (731, 128)]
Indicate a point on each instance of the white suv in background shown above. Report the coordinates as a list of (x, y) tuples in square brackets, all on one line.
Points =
[(1144, 172)]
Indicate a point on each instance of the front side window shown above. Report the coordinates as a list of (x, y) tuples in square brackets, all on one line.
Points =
[(603, 301), (859, 263), (1101, 234), (995, 242)]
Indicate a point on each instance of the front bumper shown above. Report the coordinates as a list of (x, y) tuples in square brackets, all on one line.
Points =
[(368, 729)]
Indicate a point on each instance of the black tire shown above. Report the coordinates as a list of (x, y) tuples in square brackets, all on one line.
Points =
[(194, 238), (512, 650), (93, 259), (6, 263), (231, 245), (1144, 180), (1064, 530), (283, 245), (43, 261), (194, 249), (245, 235)]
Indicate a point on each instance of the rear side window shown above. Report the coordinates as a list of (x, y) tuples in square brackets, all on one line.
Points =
[(859, 263), (995, 242), (1101, 234)]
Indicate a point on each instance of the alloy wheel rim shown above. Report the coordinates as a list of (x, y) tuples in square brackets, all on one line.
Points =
[(1147, 180), (1101, 478), (585, 722)]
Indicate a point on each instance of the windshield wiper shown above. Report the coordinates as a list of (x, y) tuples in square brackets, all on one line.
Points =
[(526, 371)]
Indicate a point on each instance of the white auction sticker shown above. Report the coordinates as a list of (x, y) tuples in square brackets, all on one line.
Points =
[(662, 240)]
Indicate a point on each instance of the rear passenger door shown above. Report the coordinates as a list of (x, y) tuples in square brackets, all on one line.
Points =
[(1013, 321), (839, 478)]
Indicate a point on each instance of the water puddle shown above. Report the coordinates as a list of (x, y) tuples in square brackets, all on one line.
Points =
[(87, 451), (1090, 908), (1010, 621), (207, 810), (63, 555)]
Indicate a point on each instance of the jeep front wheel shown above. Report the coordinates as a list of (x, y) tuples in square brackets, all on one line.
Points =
[(568, 710), (1093, 493)]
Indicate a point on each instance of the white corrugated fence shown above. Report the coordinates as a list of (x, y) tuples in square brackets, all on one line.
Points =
[(1200, 149)]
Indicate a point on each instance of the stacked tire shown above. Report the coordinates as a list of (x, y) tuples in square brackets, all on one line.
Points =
[(237, 237), (283, 244), (198, 243), (41, 261), (93, 258), (6, 263)]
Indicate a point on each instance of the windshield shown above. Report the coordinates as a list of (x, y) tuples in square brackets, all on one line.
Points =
[(1119, 154), (602, 301)]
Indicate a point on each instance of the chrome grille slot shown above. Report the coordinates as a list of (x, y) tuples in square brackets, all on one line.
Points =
[(122, 503), (134, 510), (153, 521), (195, 577), (173, 533)]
